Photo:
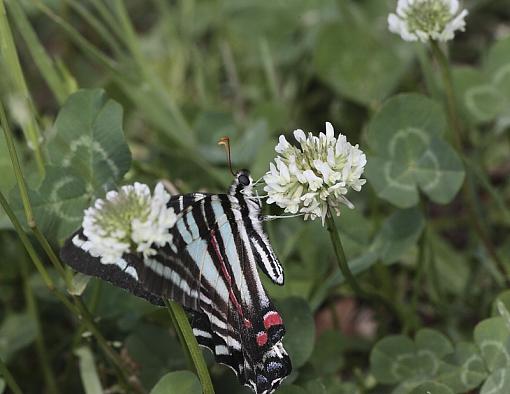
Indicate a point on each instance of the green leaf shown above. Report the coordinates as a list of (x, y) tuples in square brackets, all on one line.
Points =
[(493, 339), (79, 284), (88, 372), (155, 351), (90, 140), (291, 389), (498, 56), (490, 98), (16, 332), (59, 202), (498, 382), (393, 359), (2, 385), (340, 60), (399, 233), (463, 370), (409, 153), (433, 343), (503, 297), (397, 359), (300, 326), (179, 382), (432, 388), (327, 357), (484, 102), (89, 156), (452, 270)]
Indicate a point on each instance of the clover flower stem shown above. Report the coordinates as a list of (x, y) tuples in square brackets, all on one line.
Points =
[(188, 339), (469, 196), (340, 256), (453, 117), (33, 311), (348, 275), (9, 379)]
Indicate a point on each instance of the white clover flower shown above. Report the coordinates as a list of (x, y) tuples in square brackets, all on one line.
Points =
[(427, 20), (319, 173), (130, 220)]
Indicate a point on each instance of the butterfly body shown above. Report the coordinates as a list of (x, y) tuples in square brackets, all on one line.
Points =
[(210, 267)]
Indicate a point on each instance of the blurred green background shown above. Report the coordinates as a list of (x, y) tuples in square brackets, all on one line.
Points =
[(189, 72)]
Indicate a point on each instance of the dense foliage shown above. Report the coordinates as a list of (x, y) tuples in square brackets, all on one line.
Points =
[(142, 91)]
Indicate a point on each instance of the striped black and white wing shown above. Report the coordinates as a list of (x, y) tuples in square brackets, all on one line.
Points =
[(210, 268)]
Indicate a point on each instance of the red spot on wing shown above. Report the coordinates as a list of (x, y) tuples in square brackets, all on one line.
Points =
[(272, 319), (261, 338)]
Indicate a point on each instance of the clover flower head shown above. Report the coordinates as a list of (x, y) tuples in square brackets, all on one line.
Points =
[(426, 20), (130, 220), (317, 174)]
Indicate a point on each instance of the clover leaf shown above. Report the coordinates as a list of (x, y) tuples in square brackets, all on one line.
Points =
[(88, 155), (179, 382), (493, 339), (490, 100), (409, 153), (432, 387), (89, 139), (398, 359)]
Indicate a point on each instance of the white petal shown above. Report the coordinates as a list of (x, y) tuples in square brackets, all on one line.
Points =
[(283, 145), (299, 135), (330, 131)]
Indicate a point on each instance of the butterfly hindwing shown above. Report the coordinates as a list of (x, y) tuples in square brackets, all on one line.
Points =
[(122, 274)]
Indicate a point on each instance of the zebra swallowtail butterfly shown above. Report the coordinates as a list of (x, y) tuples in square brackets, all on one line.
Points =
[(210, 268)]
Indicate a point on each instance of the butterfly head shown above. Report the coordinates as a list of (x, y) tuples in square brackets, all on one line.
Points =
[(242, 184)]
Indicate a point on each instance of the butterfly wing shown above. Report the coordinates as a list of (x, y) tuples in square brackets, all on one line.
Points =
[(210, 268), (122, 274)]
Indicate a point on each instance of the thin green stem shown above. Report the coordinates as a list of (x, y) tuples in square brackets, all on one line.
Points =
[(340, 256), (186, 334), (348, 275), (420, 268), (457, 136), (9, 379), (42, 352), (453, 118)]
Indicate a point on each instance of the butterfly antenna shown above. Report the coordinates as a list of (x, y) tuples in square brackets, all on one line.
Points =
[(225, 141)]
